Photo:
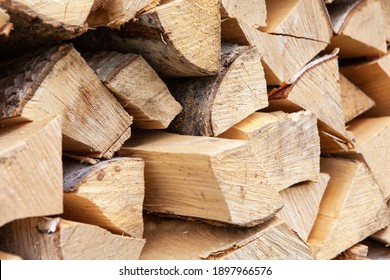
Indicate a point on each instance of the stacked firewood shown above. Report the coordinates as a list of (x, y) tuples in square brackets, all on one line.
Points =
[(194, 129)]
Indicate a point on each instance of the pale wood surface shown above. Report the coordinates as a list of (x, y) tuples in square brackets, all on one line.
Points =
[(356, 252), (5, 24), (7, 256), (30, 170), (386, 18), (254, 12)]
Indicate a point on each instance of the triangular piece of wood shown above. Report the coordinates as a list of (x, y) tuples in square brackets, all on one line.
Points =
[(8, 256), (354, 101), (57, 239), (214, 179), (253, 12), (383, 236), (214, 104), (199, 241), (286, 159), (273, 49), (92, 191), (5, 24), (299, 18), (356, 252), (30, 170), (137, 87), (352, 208), (353, 23), (301, 205)]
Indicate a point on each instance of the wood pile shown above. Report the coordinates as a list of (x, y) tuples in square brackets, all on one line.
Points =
[(254, 129)]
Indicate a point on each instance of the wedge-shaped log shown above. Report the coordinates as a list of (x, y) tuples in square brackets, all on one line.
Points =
[(310, 91), (383, 236), (58, 81), (373, 78), (5, 24), (203, 177), (30, 170), (273, 49), (354, 100), (276, 140), (253, 12), (38, 23), (7, 256), (109, 194), (57, 239), (214, 104), (177, 38), (356, 252), (299, 18), (115, 13), (137, 87), (353, 24), (301, 205), (352, 208), (199, 241)]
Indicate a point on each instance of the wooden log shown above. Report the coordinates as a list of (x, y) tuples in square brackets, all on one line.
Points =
[(8, 256), (161, 37), (38, 23), (277, 140), (214, 104), (310, 91), (352, 208), (109, 194), (5, 24), (383, 236), (353, 24), (30, 170), (376, 250), (273, 49), (356, 252), (299, 18), (115, 13), (354, 101), (57, 81), (386, 18), (301, 205), (137, 87), (372, 77), (200, 241), (202, 177), (57, 239), (253, 12)]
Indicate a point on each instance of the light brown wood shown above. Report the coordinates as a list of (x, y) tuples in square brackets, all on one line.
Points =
[(383, 236), (299, 18), (30, 170), (109, 194), (278, 53), (373, 78), (199, 241), (137, 87), (177, 38), (356, 252), (38, 23), (202, 177), (115, 13), (301, 205), (354, 101), (352, 208), (386, 18), (7, 256), (353, 23), (276, 139), (57, 81), (253, 12), (57, 239), (214, 104), (5, 24)]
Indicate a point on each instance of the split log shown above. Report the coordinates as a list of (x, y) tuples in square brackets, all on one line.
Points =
[(356, 252), (253, 12), (372, 77), (109, 194), (137, 87), (5, 24), (161, 36), (30, 170), (214, 104), (383, 236), (7, 256), (199, 241), (273, 49), (115, 13), (299, 18), (38, 23), (218, 180), (301, 205), (277, 141), (386, 18), (352, 208), (353, 24), (57, 81), (354, 101), (55, 239), (310, 91)]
